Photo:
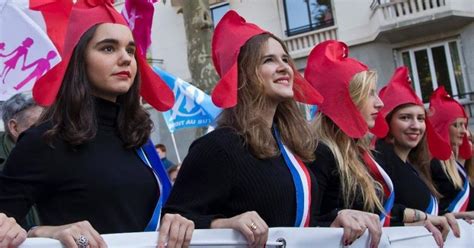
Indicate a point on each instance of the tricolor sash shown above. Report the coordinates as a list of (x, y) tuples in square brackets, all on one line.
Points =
[(460, 202), (381, 176), (149, 156), (433, 207), (302, 182)]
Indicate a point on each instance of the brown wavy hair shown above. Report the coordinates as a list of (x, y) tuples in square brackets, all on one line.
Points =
[(419, 156), (73, 114), (246, 117)]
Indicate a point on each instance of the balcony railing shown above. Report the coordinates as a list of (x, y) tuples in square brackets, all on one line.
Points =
[(397, 10), (300, 45)]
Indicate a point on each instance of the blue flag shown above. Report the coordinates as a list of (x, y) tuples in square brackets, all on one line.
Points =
[(311, 111), (193, 108)]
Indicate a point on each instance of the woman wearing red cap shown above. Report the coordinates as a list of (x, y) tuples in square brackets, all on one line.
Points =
[(403, 152), (350, 108), (87, 165), (248, 173), (449, 121), (468, 162), (348, 176)]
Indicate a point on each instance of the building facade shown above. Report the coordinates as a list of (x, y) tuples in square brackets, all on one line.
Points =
[(434, 38)]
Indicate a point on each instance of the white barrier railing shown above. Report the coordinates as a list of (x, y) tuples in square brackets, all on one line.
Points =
[(396, 237)]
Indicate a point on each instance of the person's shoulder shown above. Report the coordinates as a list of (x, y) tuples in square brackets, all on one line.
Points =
[(221, 139), (435, 165), (221, 135), (323, 149), (34, 135), (384, 151), (324, 155)]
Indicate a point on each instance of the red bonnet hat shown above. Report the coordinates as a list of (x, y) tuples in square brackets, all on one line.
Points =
[(230, 35), (444, 110), (329, 71), (397, 92), (84, 15)]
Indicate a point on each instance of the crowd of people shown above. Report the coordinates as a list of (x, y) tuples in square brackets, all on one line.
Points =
[(366, 161)]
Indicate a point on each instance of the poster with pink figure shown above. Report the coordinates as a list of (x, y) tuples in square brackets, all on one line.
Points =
[(26, 52)]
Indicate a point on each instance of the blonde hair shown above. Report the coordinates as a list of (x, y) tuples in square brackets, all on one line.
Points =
[(451, 171), (246, 117), (354, 177)]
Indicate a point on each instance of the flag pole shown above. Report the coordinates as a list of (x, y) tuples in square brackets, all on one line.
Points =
[(175, 147)]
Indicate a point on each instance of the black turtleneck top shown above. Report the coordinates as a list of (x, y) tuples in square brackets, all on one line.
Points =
[(99, 181), (220, 178), (410, 190)]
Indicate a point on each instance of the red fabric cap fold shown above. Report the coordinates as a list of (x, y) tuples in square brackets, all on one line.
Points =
[(84, 15), (230, 35), (444, 110), (55, 14), (397, 92), (329, 71)]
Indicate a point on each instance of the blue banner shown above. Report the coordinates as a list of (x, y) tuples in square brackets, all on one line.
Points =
[(193, 107), (311, 111)]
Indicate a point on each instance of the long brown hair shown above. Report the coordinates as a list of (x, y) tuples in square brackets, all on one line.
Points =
[(354, 177), (73, 114), (419, 156), (246, 117)]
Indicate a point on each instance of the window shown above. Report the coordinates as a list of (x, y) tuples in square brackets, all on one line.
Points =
[(218, 11), (435, 65), (306, 15)]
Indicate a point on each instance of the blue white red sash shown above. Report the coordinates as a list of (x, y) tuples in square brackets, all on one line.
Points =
[(433, 207), (302, 182), (381, 176), (460, 202), (149, 156)]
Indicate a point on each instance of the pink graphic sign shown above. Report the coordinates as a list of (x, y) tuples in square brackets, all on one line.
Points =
[(26, 52)]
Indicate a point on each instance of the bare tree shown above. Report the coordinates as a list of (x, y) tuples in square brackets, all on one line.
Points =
[(199, 29)]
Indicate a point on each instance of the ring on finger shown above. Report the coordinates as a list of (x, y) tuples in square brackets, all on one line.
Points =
[(253, 226), (82, 241)]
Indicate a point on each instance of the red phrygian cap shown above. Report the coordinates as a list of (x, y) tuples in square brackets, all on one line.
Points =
[(329, 70), (230, 35), (444, 110), (398, 92), (84, 15)]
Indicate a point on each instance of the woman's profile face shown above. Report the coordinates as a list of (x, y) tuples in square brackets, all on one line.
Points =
[(457, 130), (408, 126), (110, 61), (371, 106)]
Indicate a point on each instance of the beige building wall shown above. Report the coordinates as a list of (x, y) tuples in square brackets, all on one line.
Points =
[(376, 31)]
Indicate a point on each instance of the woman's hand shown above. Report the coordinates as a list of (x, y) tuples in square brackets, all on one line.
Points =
[(76, 235), (175, 231), (468, 216), (453, 224), (11, 234), (438, 237), (355, 223), (445, 224), (250, 224)]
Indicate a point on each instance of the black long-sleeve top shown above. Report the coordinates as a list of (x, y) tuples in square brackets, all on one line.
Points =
[(99, 181), (330, 189), (446, 188), (220, 178), (410, 190)]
